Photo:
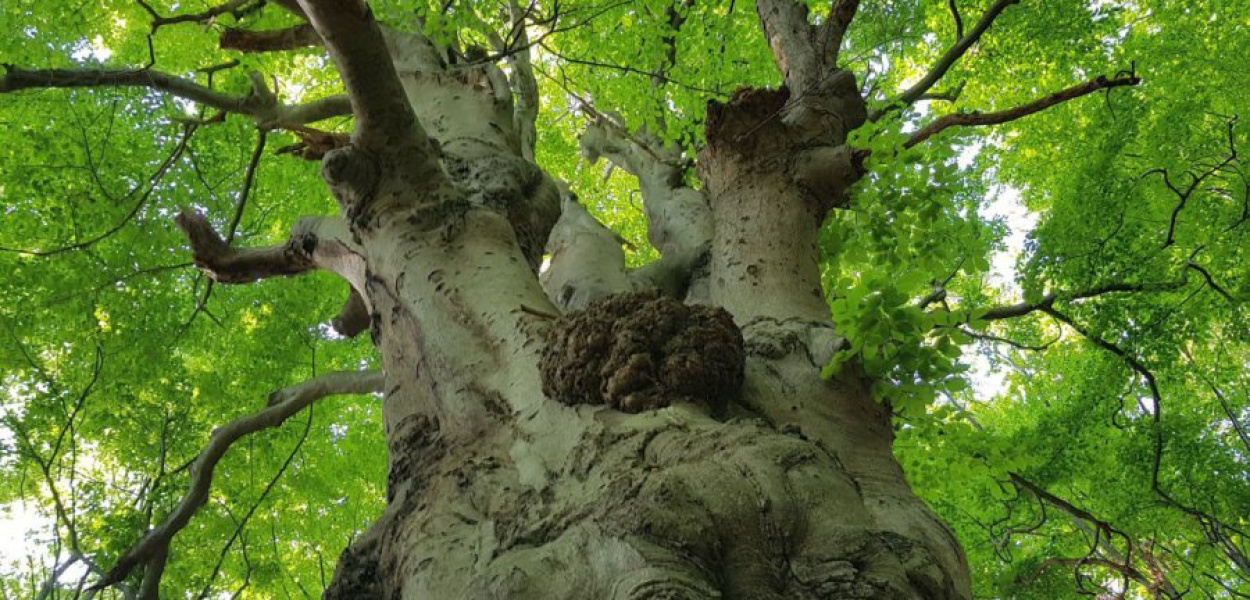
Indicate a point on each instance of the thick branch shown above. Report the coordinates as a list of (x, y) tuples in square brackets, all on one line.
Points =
[(263, 109), (270, 40), (834, 30), (951, 56), (353, 318), (283, 404), (587, 262), (678, 217), (1011, 114), (235, 8), (314, 243), (314, 144), (515, 49), (383, 116), (792, 40), (239, 265)]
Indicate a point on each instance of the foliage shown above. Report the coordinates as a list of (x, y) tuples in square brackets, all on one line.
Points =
[(117, 359)]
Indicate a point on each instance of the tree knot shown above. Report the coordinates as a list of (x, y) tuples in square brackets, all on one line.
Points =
[(639, 351)]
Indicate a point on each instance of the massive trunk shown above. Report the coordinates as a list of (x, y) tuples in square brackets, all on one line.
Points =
[(785, 488)]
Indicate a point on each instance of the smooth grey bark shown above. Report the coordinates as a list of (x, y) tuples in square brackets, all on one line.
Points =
[(496, 491)]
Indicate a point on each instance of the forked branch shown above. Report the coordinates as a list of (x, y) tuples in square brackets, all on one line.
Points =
[(949, 58), (151, 551), (678, 218), (234, 8), (1183, 196)]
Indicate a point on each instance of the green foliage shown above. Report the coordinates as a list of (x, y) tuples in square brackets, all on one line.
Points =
[(116, 362)]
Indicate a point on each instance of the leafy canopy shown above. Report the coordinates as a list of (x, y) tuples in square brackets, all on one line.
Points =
[(1098, 443)]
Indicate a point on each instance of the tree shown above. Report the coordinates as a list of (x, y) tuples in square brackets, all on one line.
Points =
[(803, 192)]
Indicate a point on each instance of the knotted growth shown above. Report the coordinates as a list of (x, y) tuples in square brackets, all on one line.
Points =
[(640, 351)]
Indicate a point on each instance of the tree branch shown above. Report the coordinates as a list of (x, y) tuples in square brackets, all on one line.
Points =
[(587, 262), (384, 119), (233, 265), (948, 59), (1215, 529), (1002, 340), (284, 403), (792, 40), (1183, 196), (959, 22), (315, 242), (835, 27), (269, 40), (515, 49), (1049, 300), (679, 222), (353, 318), (235, 8), (1011, 114), (260, 107)]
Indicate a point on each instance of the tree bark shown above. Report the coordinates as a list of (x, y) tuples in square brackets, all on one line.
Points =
[(497, 491)]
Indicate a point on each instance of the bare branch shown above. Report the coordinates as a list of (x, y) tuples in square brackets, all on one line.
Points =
[(284, 403), (959, 22), (249, 179), (1049, 300), (1211, 281), (949, 59), (251, 511), (268, 114), (234, 8), (1183, 196), (233, 265), (1011, 114)]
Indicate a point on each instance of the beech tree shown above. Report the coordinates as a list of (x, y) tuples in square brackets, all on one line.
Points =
[(628, 299)]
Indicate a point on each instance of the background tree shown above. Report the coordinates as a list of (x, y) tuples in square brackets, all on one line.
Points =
[(1105, 455)]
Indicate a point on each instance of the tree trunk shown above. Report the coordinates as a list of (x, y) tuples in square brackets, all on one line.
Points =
[(785, 489)]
